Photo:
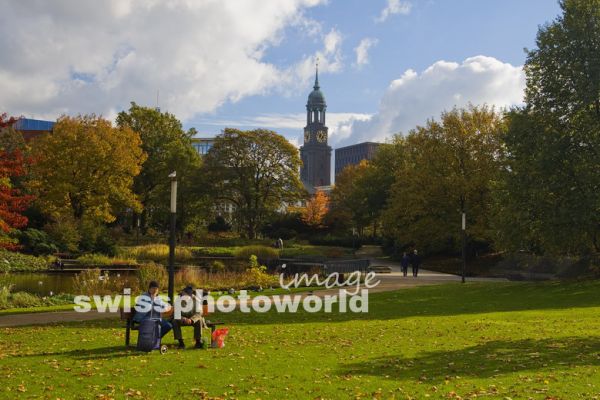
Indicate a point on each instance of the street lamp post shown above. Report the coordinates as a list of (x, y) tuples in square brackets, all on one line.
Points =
[(173, 177), (464, 246)]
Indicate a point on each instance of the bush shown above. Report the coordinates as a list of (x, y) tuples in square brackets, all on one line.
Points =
[(342, 241), (94, 259), (284, 234), (303, 251), (101, 259), (24, 300), (37, 242), (4, 297), (156, 252), (285, 226), (254, 276), (217, 266), (105, 244), (65, 234), (257, 274), (17, 262), (219, 225), (215, 251), (96, 238), (262, 252), (91, 282), (152, 272), (59, 299)]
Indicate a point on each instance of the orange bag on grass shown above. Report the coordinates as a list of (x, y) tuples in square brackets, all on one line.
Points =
[(218, 337)]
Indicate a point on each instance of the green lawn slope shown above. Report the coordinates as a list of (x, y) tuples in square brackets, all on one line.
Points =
[(487, 340)]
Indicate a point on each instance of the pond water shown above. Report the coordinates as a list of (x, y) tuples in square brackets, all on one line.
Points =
[(39, 283)]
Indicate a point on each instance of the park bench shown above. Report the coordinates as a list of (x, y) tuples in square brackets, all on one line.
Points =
[(131, 325)]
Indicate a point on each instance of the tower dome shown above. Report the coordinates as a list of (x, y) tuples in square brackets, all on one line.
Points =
[(316, 97)]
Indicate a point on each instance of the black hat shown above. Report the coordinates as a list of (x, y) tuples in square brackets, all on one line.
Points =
[(153, 284), (189, 290)]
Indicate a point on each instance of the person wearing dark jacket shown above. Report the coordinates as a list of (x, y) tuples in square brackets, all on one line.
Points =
[(415, 260), (191, 318), (404, 263)]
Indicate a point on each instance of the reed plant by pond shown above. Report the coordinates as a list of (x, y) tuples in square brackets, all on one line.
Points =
[(224, 280), (93, 282), (187, 254), (101, 259), (155, 252)]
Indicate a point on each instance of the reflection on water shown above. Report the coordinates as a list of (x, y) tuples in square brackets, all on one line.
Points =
[(40, 283)]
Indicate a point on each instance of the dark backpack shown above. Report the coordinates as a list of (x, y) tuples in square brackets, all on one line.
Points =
[(149, 335)]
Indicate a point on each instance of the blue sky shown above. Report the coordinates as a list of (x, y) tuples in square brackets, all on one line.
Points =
[(250, 63), (431, 31)]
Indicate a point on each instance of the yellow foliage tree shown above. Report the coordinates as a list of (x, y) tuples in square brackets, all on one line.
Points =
[(449, 167), (316, 209), (85, 168)]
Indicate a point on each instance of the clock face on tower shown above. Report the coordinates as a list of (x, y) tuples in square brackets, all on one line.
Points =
[(321, 136), (306, 135)]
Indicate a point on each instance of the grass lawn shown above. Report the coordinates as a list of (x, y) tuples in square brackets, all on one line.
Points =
[(485, 340), (69, 307)]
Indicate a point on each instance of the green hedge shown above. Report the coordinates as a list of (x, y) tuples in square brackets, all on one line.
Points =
[(262, 252), (218, 251), (17, 262)]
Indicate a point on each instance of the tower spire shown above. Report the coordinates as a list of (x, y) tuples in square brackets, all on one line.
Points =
[(316, 87)]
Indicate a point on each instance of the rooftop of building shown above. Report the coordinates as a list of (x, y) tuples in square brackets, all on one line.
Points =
[(357, 144), (30, 124)]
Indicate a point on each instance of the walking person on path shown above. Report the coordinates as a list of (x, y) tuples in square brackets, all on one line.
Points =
[(416, 263), (404, 263)]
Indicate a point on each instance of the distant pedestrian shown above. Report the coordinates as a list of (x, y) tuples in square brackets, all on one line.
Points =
[(280, 243), (404, 263), (415, 260)]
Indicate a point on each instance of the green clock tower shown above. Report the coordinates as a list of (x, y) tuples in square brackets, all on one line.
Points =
[(315, 153)]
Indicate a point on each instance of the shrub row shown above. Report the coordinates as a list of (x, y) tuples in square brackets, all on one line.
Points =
[(8, 299), (17, 262)]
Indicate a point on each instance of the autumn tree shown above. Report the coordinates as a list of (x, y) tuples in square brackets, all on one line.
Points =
[(13, 202), (256, 171), (84, 170), (448, 167), (348, 199), (550, 195), (169, 148), (313, 213)]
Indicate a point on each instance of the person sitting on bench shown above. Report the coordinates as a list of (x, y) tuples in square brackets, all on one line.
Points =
[(150, 305), (191, 318)]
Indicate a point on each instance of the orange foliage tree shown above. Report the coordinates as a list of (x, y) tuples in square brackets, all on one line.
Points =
[(316, 209)]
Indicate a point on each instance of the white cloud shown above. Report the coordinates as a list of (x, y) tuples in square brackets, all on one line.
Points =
[(79, 57), (362, 51), (394, 7), (413, 98), (339, 124), (330, 58)]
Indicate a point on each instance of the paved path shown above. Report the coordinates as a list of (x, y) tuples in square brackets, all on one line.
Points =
[(388, 282)]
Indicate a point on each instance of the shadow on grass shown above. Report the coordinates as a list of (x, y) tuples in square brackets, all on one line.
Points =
[(446, 300), (485, 360), (109, 352)]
